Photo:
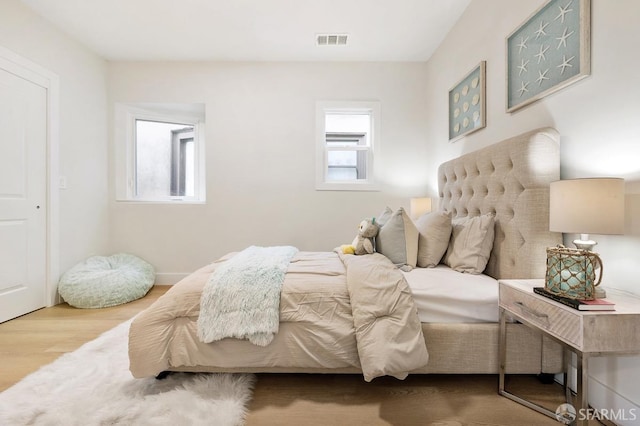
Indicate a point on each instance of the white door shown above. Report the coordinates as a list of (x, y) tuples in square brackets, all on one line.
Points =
[(23, 192)]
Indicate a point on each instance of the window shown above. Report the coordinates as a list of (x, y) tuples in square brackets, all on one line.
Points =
[(346, 156), (160, 152), (346, 145)]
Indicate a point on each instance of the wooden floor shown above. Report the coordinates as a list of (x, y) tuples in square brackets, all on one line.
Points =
[(418, 400), (36, 339)]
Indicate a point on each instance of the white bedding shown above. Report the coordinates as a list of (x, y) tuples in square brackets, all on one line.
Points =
[(443, 295)]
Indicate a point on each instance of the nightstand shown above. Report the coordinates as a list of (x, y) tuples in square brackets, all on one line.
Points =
[(584, 333)]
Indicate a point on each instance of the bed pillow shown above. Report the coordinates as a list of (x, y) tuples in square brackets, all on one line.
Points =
[(381, 219), (398, 240), (471, 243), (435, 231), (384, 216)]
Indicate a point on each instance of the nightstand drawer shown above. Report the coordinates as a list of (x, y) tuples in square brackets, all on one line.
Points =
[(545, 314)]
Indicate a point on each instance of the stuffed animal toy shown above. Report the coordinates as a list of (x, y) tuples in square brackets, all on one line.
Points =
[(363, 242)]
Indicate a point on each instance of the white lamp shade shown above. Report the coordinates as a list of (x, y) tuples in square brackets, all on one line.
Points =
[(587, 206)]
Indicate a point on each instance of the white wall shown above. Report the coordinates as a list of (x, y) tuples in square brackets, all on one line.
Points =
[(597, 119), (260, 156), (83, 126)]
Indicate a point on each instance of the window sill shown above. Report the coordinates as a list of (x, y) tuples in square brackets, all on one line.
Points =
[(175, 202), (347, 186)]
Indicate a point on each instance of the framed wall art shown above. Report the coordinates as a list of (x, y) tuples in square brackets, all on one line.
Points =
[(548, 52), (467, 103)]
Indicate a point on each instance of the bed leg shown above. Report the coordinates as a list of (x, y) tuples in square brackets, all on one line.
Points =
[(163, 375)]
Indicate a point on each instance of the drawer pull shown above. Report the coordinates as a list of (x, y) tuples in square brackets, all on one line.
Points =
[(530, 311)]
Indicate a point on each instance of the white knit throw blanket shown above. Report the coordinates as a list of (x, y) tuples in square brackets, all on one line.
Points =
[(242, 297)]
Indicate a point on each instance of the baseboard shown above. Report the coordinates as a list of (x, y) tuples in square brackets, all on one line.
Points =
[(169, 278), (615, 409), (621, 411)]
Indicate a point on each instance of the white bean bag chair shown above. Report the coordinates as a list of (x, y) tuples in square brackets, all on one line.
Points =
[(103, 281)]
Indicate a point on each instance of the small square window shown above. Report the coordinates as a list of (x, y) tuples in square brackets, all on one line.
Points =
[(165, 153)]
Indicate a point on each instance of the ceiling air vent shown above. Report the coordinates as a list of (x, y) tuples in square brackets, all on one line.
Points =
[(331, 39)]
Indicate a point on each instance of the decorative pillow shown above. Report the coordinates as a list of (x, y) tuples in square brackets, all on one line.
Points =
[(384, 216), (471, 243), (381, 220), (435, 231), (398, 240)]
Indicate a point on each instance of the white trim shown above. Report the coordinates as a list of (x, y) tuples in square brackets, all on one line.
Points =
[(373, 109), (347, 186), (603, 397), (169, 278), (51, 82)]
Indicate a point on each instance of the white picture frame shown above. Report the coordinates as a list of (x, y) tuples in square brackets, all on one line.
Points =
[(548, 52), (467, 103)]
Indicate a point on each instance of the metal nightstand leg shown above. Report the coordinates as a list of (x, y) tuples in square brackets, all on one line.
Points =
[(582, 397), (566, 363), (502, 349), (502, 352)]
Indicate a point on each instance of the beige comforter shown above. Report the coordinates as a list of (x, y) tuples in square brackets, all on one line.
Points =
[(388, 330), (333, 315)]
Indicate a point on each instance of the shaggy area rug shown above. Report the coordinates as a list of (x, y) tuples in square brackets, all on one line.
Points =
[(93, 386)]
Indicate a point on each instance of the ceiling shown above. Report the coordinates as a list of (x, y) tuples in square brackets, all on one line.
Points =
[(254, 30)]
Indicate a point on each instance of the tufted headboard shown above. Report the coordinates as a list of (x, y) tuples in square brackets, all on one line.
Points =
[(511, 179)]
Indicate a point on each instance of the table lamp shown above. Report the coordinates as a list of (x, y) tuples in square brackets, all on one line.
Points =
[(420, 206), (587, 206)]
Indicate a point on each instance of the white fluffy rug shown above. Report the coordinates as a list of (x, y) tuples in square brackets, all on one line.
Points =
[(93, 386)]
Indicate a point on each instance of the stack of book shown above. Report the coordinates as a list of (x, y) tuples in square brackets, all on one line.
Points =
[(581, 305)]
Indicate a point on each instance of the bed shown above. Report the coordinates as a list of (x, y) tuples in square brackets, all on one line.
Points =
[(508, 180)]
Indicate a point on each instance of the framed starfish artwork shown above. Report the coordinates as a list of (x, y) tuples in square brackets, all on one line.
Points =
[(548, 52)]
